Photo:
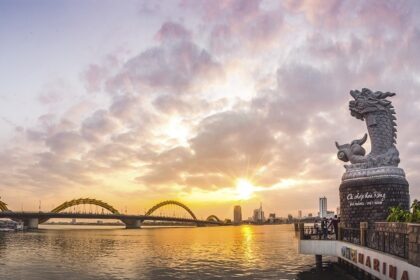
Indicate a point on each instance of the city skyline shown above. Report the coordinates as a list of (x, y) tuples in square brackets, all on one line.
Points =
[(212, 103)]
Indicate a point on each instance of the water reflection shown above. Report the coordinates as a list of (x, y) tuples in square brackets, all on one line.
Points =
[(244, 252), (246, 239)]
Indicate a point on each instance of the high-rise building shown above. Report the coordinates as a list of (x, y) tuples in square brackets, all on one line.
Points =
[(237, 214), (330, 214), (258, 216), (300, 214), (322, 207)]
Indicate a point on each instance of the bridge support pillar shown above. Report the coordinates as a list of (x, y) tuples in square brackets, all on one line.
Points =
[(132, 224), (31, 223)]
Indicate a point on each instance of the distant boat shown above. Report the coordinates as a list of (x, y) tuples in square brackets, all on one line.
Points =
[(8, 225)]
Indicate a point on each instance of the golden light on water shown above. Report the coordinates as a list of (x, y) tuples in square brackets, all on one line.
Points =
[(244, 189), (248, 235)]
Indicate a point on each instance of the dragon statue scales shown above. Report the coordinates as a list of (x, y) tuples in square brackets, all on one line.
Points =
[(379, 115)]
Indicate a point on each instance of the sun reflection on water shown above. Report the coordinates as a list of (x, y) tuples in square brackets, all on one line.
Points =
[(247, 234)]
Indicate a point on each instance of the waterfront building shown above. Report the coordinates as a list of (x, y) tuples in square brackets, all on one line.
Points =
[(322, 207), (237, 214), (330, 214), (258, 216), (300, 214), (272, 218), (310, 215)]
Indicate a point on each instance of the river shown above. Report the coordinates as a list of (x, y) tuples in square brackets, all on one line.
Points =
[(100, 252)]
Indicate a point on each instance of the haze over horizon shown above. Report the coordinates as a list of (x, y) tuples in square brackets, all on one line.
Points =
[(212, 103)]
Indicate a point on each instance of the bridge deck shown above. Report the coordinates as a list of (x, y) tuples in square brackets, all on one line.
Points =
[(122, 217)]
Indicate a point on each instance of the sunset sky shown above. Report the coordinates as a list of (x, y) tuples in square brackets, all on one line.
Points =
[(212, 103)]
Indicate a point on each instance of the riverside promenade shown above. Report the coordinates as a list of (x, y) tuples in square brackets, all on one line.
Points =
[(386, 251)]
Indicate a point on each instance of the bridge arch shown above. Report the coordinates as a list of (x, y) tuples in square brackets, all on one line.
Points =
[(3, 206), (81, 201), (170, 202), (213, 218)]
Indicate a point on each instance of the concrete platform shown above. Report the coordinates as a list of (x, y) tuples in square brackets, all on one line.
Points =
[(378, 264)]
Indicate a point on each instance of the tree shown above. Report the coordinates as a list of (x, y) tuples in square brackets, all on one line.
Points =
[(399, 215)]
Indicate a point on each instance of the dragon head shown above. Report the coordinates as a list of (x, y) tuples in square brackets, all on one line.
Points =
[(367, 101)]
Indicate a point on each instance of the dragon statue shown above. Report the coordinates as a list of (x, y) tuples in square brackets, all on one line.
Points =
[(379, 115)]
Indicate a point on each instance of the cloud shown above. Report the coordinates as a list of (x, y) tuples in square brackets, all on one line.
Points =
[(239, 26), (171, 31), (96, 74), (55, 92), (177, 65), (97, 126), (66, 143)]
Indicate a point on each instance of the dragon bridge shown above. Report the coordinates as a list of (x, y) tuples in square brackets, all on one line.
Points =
[(3, 206), (81, 201), (170, 202), (213, 218)]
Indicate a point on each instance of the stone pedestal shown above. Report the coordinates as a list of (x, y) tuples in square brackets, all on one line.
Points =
[(367, 194), (31, 223)]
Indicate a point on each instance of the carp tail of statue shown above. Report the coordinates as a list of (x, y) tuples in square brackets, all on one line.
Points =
[(360, 141)]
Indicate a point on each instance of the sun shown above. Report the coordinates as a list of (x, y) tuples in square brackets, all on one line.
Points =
[(244, 189)]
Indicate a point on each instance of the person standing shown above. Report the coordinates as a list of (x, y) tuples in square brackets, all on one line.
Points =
[(334, 224), (324, 228)]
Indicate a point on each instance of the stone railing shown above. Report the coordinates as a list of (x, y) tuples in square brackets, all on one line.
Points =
[(391, 238), (314, 232), (352, 235), (414, 244)]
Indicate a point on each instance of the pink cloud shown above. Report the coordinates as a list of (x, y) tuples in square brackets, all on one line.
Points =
[(178, 67), (66, 143), (238, 25), (172, 31), (98, 126)]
